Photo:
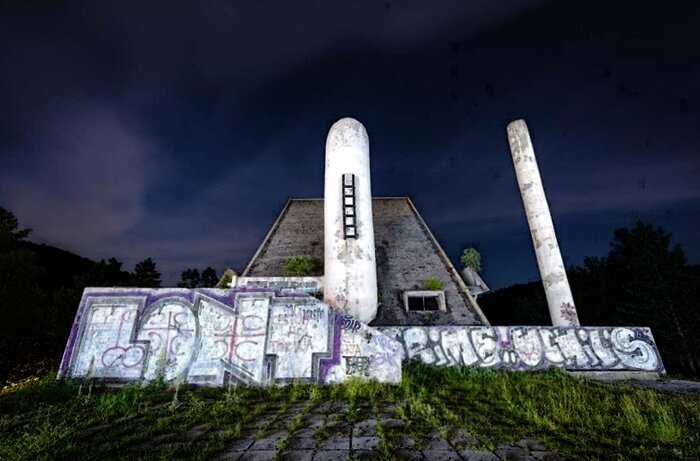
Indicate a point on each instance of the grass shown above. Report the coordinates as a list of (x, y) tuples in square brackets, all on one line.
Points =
[(46, 419)]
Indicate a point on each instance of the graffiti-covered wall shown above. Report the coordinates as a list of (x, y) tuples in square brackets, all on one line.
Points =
[(530, 348), (213, 337)]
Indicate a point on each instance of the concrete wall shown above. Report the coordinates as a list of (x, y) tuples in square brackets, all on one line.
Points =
[(309, 285), (531, 348), (213, 337)]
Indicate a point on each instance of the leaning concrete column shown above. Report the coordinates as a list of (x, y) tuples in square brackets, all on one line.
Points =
[(556, 285)]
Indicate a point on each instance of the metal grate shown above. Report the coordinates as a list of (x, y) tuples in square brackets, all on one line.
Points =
[(349, 215)]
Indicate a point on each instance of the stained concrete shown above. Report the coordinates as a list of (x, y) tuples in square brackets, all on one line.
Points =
[(406, 254)]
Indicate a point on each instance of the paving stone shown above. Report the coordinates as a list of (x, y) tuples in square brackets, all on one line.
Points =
[(302, 443), (339, 428), (391, 423), (162, 438), (331, 455), (315, 420), (261, 422), (409, 455), (90, 431), (406, 442), (545, 455), (241, 444), (198, 431), (478, 455), (297, 455), (341, 407), (512, 453), (335, 443), (229, 456), (437, 443), (269, 442), (307, 432), (366, 427), (257, 455), (365, 443), (463, 439), (441, 455), (324, 408), (531, 444), (366, 454)]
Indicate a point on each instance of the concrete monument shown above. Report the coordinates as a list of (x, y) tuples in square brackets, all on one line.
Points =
[(264, 328)]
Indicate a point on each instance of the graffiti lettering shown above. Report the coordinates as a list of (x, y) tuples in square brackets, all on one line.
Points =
[(527, 348)]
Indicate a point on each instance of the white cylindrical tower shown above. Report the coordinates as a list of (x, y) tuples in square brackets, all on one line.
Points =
[(556, 284), (350, 272)]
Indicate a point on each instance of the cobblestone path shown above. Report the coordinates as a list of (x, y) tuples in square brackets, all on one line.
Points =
[(332, 431)]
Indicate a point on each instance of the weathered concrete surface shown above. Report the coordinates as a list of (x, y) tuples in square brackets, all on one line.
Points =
[(407, 253), (213, 337), (349, 263), (531, 348), (549, 261)]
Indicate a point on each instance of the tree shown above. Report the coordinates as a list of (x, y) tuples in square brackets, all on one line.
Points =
[(106, 274), (146, 275), (10, 233), (21, 296), (472, 259), (209, 278), (650, 287), (643, 281), (189, 279)]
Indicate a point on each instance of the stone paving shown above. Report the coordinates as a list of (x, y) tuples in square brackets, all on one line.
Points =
[(332, 432)]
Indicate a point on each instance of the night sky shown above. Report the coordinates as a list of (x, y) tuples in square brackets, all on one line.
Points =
[(178, 132)]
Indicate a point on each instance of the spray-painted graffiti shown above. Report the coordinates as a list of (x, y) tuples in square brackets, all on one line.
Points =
[(357, 366), (526, 348), (283, 285), (213, 337), (361, 351)]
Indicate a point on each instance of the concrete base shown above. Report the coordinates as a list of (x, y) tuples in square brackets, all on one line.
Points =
[(623, 375)]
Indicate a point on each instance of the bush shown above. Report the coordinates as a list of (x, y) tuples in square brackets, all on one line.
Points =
[(432, 284), (301, 266), (471, 259)]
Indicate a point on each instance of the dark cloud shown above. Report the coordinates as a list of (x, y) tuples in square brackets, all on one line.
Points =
[(177, 131)]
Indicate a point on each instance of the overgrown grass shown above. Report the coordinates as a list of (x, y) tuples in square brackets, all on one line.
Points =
[(48, 419)]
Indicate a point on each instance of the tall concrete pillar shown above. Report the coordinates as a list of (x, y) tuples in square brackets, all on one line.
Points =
[(556, 284), (350, 271)]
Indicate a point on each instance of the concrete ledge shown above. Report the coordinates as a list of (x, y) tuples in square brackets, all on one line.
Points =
[(617, 375)]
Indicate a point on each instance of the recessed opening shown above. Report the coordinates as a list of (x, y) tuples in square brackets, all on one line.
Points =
[(421, 301)]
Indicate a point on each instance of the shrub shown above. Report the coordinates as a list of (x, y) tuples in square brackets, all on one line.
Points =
[(432, 284), (471, 259), (301, 266)]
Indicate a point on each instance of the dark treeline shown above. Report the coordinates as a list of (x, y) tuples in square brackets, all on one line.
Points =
[(40, 289), (643, 281)]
